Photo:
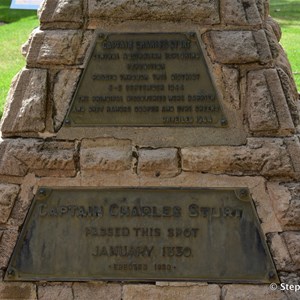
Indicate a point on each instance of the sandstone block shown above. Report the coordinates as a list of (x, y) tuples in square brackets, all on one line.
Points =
[(280, 252), (14, 291), (267, 102), (58, 47), (275, 27), (239, 47), (286, 203), (40, 157), (203, 12), (261, 111), (240, 12), (25, 111), (231, 84), (292, 239), (65, 83), (149, 292), (291, 94), (67, 11), (88, 291), (8, 195), (266, 157), (105, 154), (290, 279), (250, 292), (8, 239), (50, 292), (158, 162)]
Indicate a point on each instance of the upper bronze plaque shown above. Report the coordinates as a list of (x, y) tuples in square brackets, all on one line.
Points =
[(146, 79), (142, 234)]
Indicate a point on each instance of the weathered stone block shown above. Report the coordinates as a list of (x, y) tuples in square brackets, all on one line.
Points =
[(159, 162), (67, 11), (65, 83), (250, 292), (267, 106), (240, 12), (58, 47), (8, 238), (239, 47), (8, 195), (105, 154), (149, 292), (292, 239), (88, 291), (203, 12), (56, 291), (286, 203), (267, 157), (231, 85), (280, 253), (261, 111), (43, 158), (25, 110), (14, 291)]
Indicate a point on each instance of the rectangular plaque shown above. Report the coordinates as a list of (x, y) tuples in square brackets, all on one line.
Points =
[(146, 79), (142, 234)]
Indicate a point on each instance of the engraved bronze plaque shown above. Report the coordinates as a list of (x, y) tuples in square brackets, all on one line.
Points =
[(142, 234), (146, 79)]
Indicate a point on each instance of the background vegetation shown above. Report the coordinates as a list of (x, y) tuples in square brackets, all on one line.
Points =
[(19, 24)]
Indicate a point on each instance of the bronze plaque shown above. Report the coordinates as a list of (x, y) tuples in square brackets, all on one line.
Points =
[(142, 234), (146, 79)]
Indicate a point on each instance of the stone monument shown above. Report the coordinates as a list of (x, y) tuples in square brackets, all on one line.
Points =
[(171, 126)]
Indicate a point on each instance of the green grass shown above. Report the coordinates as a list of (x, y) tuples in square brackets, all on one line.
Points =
[(12, 35), (287, 13)]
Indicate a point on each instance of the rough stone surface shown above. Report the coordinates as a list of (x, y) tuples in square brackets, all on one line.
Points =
[(275, 27), (239, 47), (261, 111), (66, 11), (8, 195), (280, 253), (286, 203), (267, 157), (158, 162), (53, 158), (292, 239), (250, 292), (231, 85), (240, 12), (149, 292), (266, 101), (291, 279), (65, 83), (105, 155), (8, 238), (15, 291), (205, 11), (58, 47), (57, 291), (291, 94), (25, 110), (88, 291)]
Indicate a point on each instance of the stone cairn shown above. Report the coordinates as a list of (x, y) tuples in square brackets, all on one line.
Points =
[(253, 76)]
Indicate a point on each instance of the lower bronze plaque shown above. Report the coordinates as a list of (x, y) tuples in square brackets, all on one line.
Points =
[(142, 234)]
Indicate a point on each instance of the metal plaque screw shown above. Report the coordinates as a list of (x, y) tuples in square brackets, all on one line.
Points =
[(192, 34), (224, 122), (244, 193), (271, 274), (68, 122), (42, 192), (11, 273)]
